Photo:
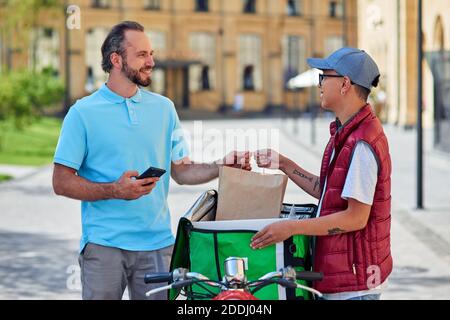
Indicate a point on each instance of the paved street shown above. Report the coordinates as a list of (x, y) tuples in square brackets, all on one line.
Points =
[(39, 232)]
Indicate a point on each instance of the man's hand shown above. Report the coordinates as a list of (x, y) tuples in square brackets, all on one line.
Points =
[(273, 233), (127, 188), (268, 158), (237, 159)]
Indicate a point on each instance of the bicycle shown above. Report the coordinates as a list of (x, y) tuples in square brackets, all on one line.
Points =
[(234, 285)]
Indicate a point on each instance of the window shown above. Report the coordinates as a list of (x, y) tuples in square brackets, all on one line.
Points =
[(205, 84), (332, 44), (101, 4), (250, 64), (158, 40), (249, 6), (336, 9), (153, 5), (294, 7), (438, 39), (159, 44), (93, 58), (249, 78), (201, 6), (44, 49), (202, 77), (89, 86), (294, 56)]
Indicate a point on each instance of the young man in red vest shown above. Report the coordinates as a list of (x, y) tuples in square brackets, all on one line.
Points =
[(352, 227)]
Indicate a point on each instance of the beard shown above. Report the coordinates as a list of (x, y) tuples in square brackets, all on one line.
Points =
[(134, 75)]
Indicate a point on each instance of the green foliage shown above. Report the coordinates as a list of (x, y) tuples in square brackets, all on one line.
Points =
[(5, 177), (34, 145), (24, 95), (22, 13)]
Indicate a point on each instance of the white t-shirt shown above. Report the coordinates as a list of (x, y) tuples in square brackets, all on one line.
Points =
[(360, 185)]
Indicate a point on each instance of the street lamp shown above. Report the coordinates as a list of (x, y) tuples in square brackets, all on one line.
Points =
[(419, 108), (312, 91)]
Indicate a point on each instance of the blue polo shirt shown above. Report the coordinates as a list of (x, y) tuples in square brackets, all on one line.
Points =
[(104, 135)]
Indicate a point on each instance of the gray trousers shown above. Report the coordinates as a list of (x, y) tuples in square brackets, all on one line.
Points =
[(107, 271)]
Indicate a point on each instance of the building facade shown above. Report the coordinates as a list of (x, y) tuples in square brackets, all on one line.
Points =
[(389, 33), (209, 54)]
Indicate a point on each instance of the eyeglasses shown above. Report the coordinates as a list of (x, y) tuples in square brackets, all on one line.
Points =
[(322, 76)]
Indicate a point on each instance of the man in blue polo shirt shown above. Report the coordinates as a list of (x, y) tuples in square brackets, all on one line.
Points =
[(107, 139)]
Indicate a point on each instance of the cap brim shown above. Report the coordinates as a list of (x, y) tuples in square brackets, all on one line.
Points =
[(318, 63)]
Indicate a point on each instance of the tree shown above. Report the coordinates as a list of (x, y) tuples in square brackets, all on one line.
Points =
[(25, 94)]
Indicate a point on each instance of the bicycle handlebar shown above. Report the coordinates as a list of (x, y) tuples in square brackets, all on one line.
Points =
[(308, 275), (158, 277), (284, 277)]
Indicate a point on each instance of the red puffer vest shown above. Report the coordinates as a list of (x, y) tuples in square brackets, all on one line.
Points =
[(362, 259)]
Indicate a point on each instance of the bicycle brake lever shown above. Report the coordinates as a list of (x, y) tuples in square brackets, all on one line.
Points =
[(286, 283), (182, 283)]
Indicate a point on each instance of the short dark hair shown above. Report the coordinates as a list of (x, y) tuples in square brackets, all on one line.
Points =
[(114, 42), (364, 93)]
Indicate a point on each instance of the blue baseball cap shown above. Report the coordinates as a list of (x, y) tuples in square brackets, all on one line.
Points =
[(351, 62)]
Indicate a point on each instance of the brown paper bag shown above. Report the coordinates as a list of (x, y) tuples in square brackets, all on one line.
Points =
[(249, 195)]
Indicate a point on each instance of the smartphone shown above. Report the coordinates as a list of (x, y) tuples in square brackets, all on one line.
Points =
[(151, 173)]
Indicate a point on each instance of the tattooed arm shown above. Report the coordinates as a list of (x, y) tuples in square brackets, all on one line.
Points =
[(268, 158), (354, 218), (309, 182)]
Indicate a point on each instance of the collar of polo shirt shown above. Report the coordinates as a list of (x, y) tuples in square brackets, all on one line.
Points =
[(115, 98)]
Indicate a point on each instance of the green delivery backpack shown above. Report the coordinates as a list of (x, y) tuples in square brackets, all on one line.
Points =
[(203, 246)]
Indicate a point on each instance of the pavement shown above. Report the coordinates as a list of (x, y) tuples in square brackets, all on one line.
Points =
[(39, 232), (18, 172)]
